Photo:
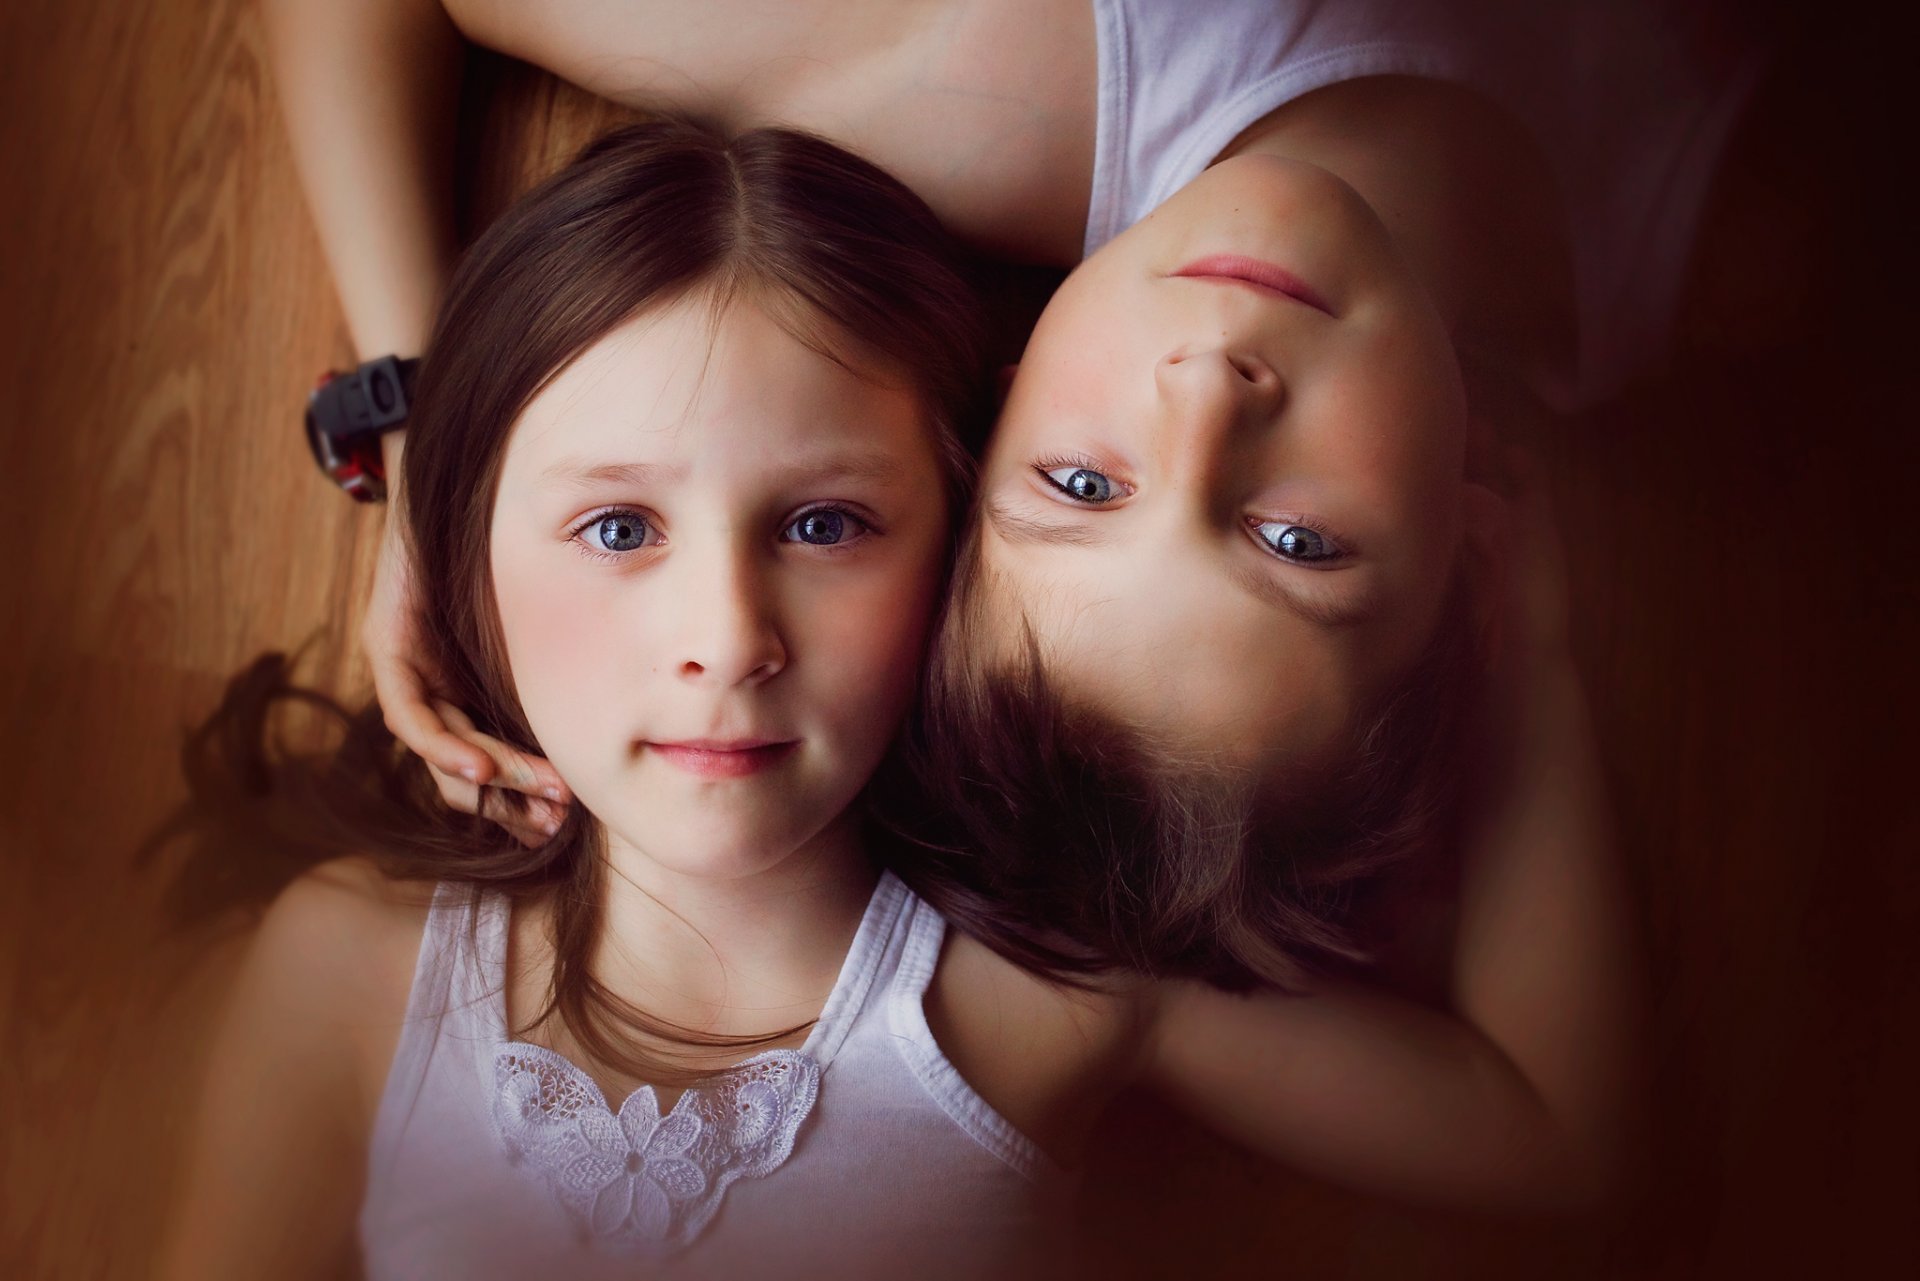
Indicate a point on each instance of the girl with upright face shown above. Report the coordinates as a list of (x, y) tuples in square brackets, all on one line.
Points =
[(683, 478), (715, 552)]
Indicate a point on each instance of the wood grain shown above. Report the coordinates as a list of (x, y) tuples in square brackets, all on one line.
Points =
[(160, 335), (1747, 610)]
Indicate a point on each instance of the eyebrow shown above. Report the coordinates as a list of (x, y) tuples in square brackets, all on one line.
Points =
[(858, 465), (1016, 528), (863, 465), (578, 475)]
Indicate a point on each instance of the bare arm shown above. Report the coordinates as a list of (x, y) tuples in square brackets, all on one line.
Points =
[(1517, 1095), (370, 89), (273, 1174), (985, 108)]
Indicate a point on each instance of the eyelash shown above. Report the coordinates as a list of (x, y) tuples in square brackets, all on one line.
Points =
[(1055, 463), (1344, 550), (868, 527), (591, 522), (1344, 553)]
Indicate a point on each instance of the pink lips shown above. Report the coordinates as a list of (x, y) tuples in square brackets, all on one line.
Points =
[(1239, 269), (715, 758)]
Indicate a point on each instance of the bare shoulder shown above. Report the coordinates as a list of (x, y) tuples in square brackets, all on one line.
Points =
[(713, 58), (334, 958), (276, 1156), (1047, 1056), (353, 892), (985, 108), (339, 929)]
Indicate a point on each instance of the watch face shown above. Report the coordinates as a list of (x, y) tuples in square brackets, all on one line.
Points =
[(384, 392)]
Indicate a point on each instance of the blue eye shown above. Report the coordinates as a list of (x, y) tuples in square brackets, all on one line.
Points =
[(824, 527), (621, 532), (1297, 542), (1083, 484)]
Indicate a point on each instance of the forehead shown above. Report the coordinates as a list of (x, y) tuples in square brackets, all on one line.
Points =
[(1201, 670), (722, 379)]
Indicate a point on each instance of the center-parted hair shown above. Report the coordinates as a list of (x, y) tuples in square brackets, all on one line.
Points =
[(847, 259), (839, 252)]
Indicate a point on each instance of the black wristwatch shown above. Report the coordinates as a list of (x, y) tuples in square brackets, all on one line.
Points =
[(349, 412)]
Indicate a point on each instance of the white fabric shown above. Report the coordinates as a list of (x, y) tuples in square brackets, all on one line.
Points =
[(1629, 105), (643, 1183), (495, 1159)]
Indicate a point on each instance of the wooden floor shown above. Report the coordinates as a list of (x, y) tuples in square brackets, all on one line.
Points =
[(1747, 614)]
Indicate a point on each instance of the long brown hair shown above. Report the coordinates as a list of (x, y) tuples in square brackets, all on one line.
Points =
[(1077, 845), (850, 261)]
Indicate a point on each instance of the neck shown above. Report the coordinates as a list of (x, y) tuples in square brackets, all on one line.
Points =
[(733, 956), (1467, 198)]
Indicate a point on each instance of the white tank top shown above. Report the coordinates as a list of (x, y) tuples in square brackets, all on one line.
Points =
[(1630, 106), (862, 1154)]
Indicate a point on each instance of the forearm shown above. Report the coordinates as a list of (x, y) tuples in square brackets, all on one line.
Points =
[(1367, 1090), (370, 89), (1512, 1097), (1543, 964)]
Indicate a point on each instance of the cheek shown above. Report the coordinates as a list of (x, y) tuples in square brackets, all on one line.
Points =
[(1396, 424), (871, 639), (564, 648)]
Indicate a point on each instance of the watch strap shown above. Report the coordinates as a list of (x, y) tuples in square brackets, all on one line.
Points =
[(376, 397), (349, 412)]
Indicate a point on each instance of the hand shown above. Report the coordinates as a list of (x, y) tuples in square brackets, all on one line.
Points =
[(526, 797), (405, 679)]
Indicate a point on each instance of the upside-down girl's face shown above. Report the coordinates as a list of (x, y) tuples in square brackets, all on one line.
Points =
[(715, 553), (1225, 489)]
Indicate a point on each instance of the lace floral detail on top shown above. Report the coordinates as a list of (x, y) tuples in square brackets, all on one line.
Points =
[(638, 1181)]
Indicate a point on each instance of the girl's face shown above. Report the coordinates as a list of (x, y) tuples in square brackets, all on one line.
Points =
[(715, 553), (1225, 489)]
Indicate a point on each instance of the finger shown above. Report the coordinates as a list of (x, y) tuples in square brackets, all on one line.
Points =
[(403, 702), (531, 821), (456, 792), (521, 771), (517, 809), (517, 814), (526, 836)]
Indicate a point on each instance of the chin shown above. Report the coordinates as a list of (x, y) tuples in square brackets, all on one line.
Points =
[(699, 852)]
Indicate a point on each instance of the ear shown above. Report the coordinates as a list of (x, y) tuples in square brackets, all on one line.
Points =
[(1486, 545), (1003, 383)]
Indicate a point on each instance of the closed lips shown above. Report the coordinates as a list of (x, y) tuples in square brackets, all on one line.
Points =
[(713, 758), (1240, 269)]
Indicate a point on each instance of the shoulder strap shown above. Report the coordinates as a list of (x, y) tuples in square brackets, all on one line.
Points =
[(878, 941), (913, 1037)]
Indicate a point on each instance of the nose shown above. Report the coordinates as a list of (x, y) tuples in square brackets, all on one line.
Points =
[(730, 633), (1213, 397)]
